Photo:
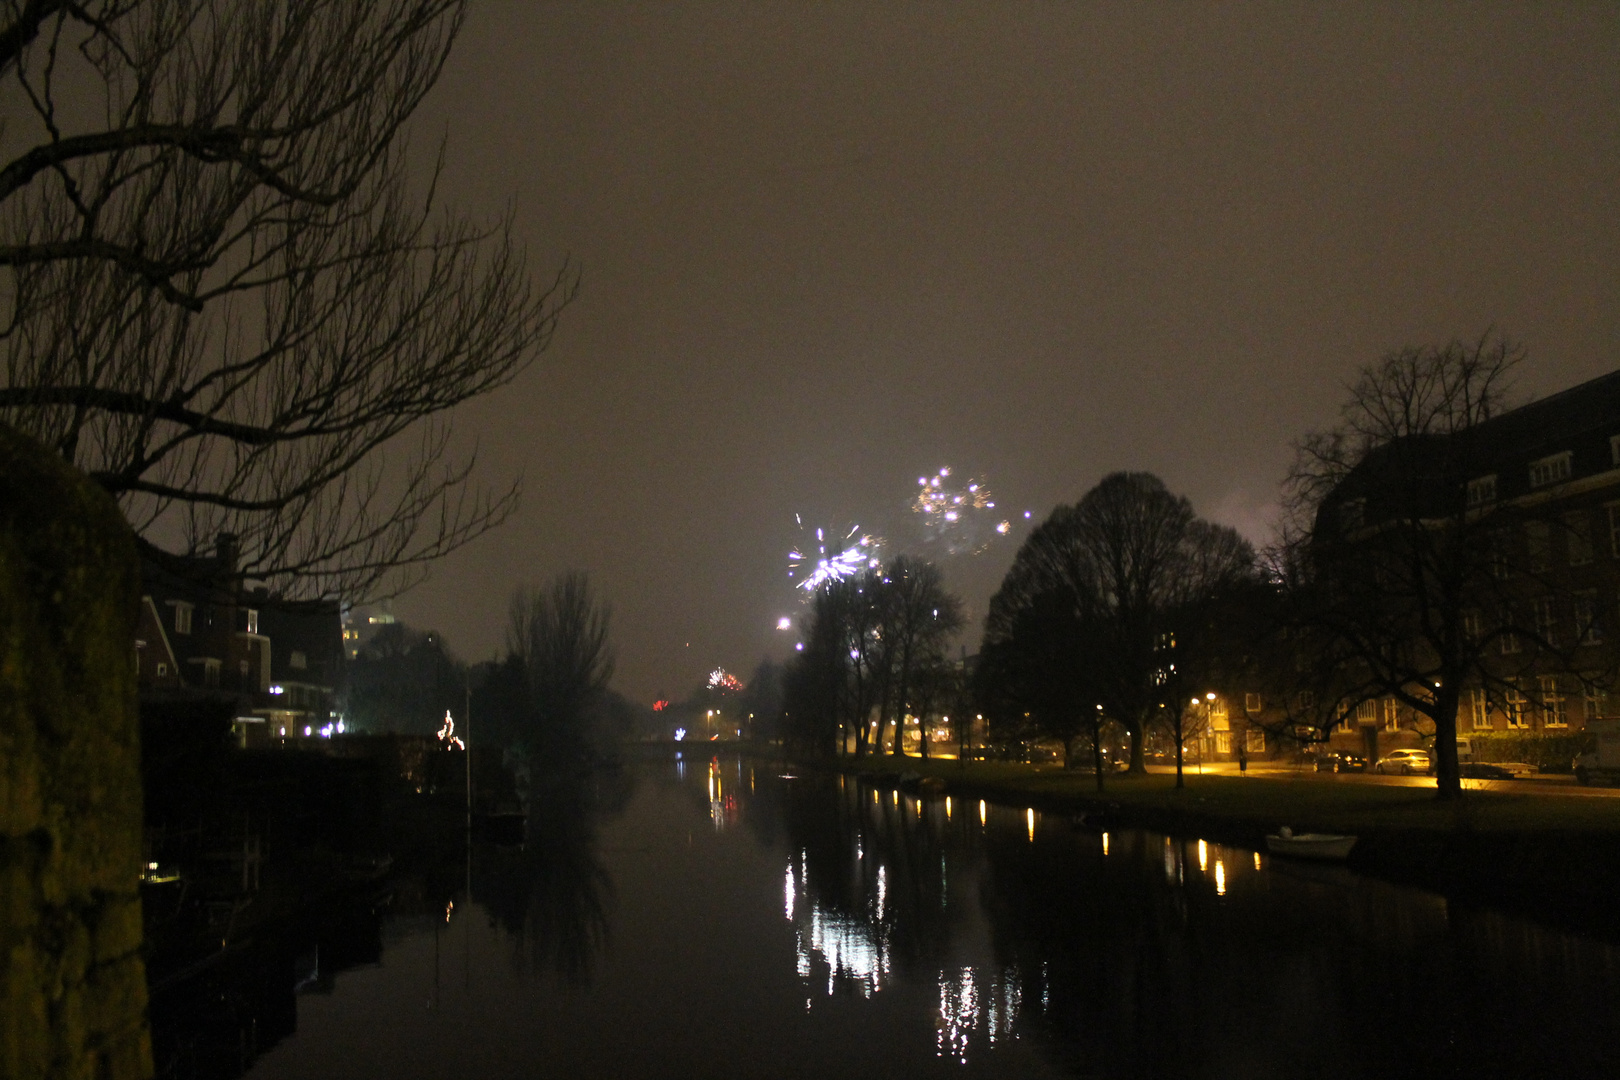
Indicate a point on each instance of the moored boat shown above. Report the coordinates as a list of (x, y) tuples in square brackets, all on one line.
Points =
[(1329, 847)]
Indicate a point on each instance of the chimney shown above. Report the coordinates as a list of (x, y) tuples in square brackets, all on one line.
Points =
[(225, 552)]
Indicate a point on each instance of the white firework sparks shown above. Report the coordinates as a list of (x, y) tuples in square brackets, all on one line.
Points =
[(959, 517), (834, 555)]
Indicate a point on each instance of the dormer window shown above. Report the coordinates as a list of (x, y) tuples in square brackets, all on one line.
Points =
[(1550, 470), (1482, 491), (182, 617)]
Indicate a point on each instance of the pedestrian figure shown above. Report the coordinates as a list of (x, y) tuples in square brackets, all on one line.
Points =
[(1243, 759)]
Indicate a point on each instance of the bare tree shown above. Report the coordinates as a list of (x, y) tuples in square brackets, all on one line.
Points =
[(1116, 569), (1407, 577), (560, 635), (919, 619), (225, 300)]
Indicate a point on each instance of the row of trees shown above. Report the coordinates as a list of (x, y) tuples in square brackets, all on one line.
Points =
[(876, 651), (1396, 575), (1098, 619)]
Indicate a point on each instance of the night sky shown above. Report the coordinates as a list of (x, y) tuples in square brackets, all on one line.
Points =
[(830, 248)]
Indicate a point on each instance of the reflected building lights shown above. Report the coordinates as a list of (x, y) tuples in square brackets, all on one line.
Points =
[(723, 809), (966, 1008), (1029, 815), (849, 948), (981, 811), (1105, 843), (1203, 857), (1220, 878)]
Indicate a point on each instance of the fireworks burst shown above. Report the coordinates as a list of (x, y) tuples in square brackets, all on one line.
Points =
[(960, 518), (721, 679), (834, 555)]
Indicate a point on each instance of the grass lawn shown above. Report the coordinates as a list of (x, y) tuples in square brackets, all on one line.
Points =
[(1327, 804)]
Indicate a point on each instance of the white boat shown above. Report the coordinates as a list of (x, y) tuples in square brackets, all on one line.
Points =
[(1328, 847)]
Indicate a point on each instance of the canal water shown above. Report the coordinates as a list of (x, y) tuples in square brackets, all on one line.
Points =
[(715, 918)]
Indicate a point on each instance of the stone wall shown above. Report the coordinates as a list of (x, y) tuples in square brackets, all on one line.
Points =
[(72, 986)]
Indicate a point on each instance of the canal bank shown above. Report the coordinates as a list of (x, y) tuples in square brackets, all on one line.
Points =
[(1552, 858)]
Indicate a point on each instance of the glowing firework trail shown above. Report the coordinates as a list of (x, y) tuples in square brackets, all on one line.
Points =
[(961, 518), (832, 557)]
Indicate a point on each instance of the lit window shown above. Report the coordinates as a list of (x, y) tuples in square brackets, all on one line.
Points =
[(1482, 490), (1255, 740), (1471, 625), (1596, 701), (1392, 715), (1223, 742), (182, 617), (1513, 705), (1554, 712), (1218, 716), (252, 621), (1550, 470), (163, 669), (1510, 642), (1479, 706), (1367, 712)]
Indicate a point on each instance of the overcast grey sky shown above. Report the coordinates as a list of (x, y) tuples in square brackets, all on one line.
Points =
[(828, 248)]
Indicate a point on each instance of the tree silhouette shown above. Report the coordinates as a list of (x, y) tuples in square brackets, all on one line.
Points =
[(225, 299)]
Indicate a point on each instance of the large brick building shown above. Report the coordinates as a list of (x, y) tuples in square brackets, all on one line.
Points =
[(1545, 479)]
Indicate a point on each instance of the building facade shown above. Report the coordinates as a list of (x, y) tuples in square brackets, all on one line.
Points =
[(203, 633)]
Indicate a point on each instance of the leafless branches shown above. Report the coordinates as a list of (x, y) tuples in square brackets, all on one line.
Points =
[(223, 299), (1407, 580)]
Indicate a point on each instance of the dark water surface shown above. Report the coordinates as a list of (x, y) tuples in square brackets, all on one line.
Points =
[(715, 919)]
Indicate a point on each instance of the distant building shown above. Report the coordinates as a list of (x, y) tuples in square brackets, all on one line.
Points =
[(202, 633), (1556, 464), (360, 625)]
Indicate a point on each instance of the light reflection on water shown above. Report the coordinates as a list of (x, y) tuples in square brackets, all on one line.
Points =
[(966, 1012), (836, 950), (1014, 945)]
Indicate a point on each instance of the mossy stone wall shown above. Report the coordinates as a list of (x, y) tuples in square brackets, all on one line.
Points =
[(72, 985)]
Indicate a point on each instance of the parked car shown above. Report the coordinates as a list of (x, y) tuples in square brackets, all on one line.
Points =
[(1405, 762), (1340, 761)]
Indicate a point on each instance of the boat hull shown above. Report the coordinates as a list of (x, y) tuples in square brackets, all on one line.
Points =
[(1311, 846)]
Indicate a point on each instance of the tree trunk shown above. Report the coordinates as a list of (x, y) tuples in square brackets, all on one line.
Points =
[(1180, 737), (1134, 731), (1096, 753), (1447, 775)]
